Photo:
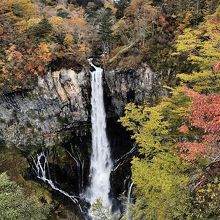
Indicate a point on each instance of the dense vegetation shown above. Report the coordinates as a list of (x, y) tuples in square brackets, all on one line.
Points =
[(176, 174), (33, 35), (15, 205)]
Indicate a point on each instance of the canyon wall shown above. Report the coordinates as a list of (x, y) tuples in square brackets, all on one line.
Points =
[(60, 104)]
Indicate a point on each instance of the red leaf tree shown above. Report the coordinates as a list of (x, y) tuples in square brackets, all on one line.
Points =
[(203, 122)]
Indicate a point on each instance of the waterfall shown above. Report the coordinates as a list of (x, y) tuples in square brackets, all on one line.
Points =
[(119, 162), (80, 163), (101, 164), (129, 202)]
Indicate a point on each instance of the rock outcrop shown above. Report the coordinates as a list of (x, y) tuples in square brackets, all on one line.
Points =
[(57, 111), (135, 86), (59, 102)]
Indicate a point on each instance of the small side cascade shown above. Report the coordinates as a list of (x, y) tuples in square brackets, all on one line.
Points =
[(42, 171), (124, 158), (129, 202), (80, 163)]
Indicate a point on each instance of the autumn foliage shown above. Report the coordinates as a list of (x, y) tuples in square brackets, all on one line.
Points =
[(30, 39), (204, 121)]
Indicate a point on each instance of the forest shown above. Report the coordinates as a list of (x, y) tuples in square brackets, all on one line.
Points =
[(48, 104)]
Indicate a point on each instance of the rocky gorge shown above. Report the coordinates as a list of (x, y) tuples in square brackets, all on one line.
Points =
[(109, 110), (55, 114), (61, 102)]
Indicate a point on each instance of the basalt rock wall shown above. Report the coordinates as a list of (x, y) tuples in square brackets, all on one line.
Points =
[(122, 87), (60, 104), (44, 115)]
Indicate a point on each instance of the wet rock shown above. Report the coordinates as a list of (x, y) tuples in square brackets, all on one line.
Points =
[(97, 62)]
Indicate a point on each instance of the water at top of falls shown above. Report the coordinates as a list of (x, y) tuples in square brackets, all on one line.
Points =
[(101, 163)]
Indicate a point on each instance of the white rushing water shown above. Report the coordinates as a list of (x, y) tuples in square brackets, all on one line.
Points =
[(42, 171), (101, 163), (129, 202)]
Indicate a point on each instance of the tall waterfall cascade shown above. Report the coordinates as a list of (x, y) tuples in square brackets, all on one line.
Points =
[(101, 163)]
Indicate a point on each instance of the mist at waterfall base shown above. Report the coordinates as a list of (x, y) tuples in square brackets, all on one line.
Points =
[(101, 163)]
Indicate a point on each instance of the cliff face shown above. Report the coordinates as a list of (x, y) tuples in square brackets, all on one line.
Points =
[(58, 109), (60, 103), (122, 87)]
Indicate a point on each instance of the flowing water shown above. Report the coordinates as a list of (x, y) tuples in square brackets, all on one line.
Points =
[(101, 163), (42, 171), (129, 202)]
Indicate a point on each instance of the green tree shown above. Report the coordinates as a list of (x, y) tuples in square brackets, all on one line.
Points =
[(105, 29), (14, 205), (42, 30), (201, 47), (206, 201), (99, 212), (158, 175)]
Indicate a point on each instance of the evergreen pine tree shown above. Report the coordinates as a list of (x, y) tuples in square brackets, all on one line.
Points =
[(105, 29)]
